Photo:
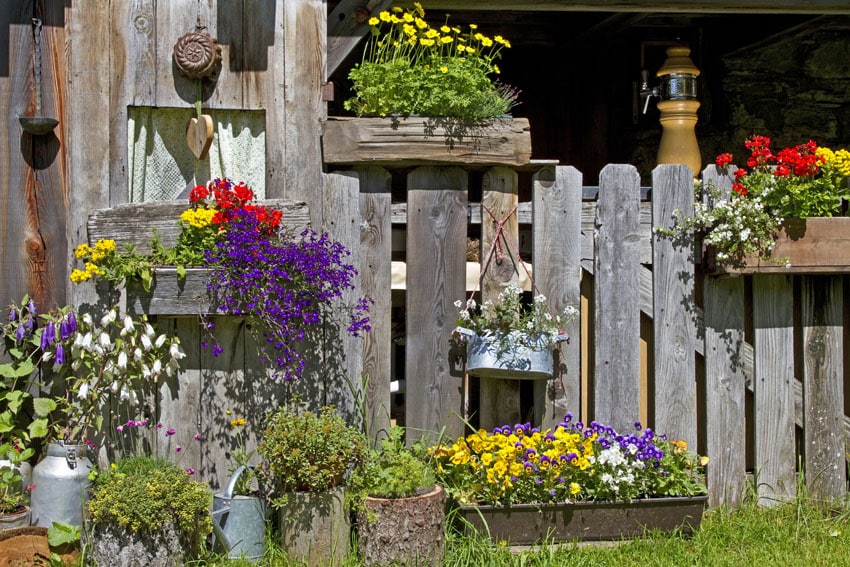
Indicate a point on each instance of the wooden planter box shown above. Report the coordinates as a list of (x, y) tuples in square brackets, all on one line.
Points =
[(170, 295), (817, 245), (423, 141), (528, 524)]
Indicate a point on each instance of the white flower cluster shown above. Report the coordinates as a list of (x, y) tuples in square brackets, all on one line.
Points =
[(618, 470)]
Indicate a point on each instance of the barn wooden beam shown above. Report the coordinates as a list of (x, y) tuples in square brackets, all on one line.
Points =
[(347, 24)]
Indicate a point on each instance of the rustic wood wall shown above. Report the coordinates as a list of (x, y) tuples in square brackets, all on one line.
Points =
[(33, 188), (120, 54)]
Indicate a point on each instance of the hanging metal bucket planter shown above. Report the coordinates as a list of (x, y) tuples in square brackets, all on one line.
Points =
[(487, 358)]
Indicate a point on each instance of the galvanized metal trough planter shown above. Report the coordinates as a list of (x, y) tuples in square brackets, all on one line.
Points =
[(529, 524)]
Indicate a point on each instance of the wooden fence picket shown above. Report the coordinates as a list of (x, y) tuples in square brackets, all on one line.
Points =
[(773, 324), (823, 387), (436, 278), (674, 308), (616, 384), (557, 271)]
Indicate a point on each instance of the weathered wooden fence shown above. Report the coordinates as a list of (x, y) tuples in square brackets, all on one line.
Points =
[(737, 367)]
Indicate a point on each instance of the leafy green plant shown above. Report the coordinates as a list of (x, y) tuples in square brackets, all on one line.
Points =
[(144, 494), (794, 183), (91, 361), (23, 417), (392, 470), (307, 451), (410, 67)]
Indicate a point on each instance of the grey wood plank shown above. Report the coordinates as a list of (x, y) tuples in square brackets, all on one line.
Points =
[(134, 222), (499, 399), (674, 318), (88, 139), (343, 353), (773, 323), (557, 273), (725, 425), (375, 279), (436, 237), (823, 387), (616, 378), (304, 61)]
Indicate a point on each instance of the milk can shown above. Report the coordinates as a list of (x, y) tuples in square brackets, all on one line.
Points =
[(61, 480), (239, 522)]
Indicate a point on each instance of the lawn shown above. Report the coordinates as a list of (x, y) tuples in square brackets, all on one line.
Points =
[(797, 533)]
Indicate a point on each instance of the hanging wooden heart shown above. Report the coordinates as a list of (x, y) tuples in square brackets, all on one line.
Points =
[(199, 135)]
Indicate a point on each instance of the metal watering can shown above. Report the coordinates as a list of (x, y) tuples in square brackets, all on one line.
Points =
[(239, 522)]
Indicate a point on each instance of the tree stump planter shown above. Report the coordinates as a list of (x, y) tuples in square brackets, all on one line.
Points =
[(115, 546), (403, 531), (315, 527), (812, 246), (529, 524)]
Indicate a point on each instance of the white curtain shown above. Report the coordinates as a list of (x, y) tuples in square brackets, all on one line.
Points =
[(162, 166)]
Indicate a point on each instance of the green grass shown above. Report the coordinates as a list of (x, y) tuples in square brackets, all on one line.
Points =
[(797, 533)]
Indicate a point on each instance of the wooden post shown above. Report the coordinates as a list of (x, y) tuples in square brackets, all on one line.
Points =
[(499, 399)]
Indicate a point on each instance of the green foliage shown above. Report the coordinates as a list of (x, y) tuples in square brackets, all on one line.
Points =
[(305, 451), (143, 494), (392, 471), (59, 534), (410, 67)]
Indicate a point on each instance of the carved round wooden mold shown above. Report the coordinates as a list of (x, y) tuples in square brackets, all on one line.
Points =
[(197, 56)]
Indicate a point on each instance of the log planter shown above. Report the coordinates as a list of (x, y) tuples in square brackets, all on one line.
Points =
[(403, 531), (816, 245), (529, 524), (410, 141)]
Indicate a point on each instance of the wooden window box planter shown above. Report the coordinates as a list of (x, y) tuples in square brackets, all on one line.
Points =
[(423, 141), (529, 524), (817, 245), (170, 295)]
